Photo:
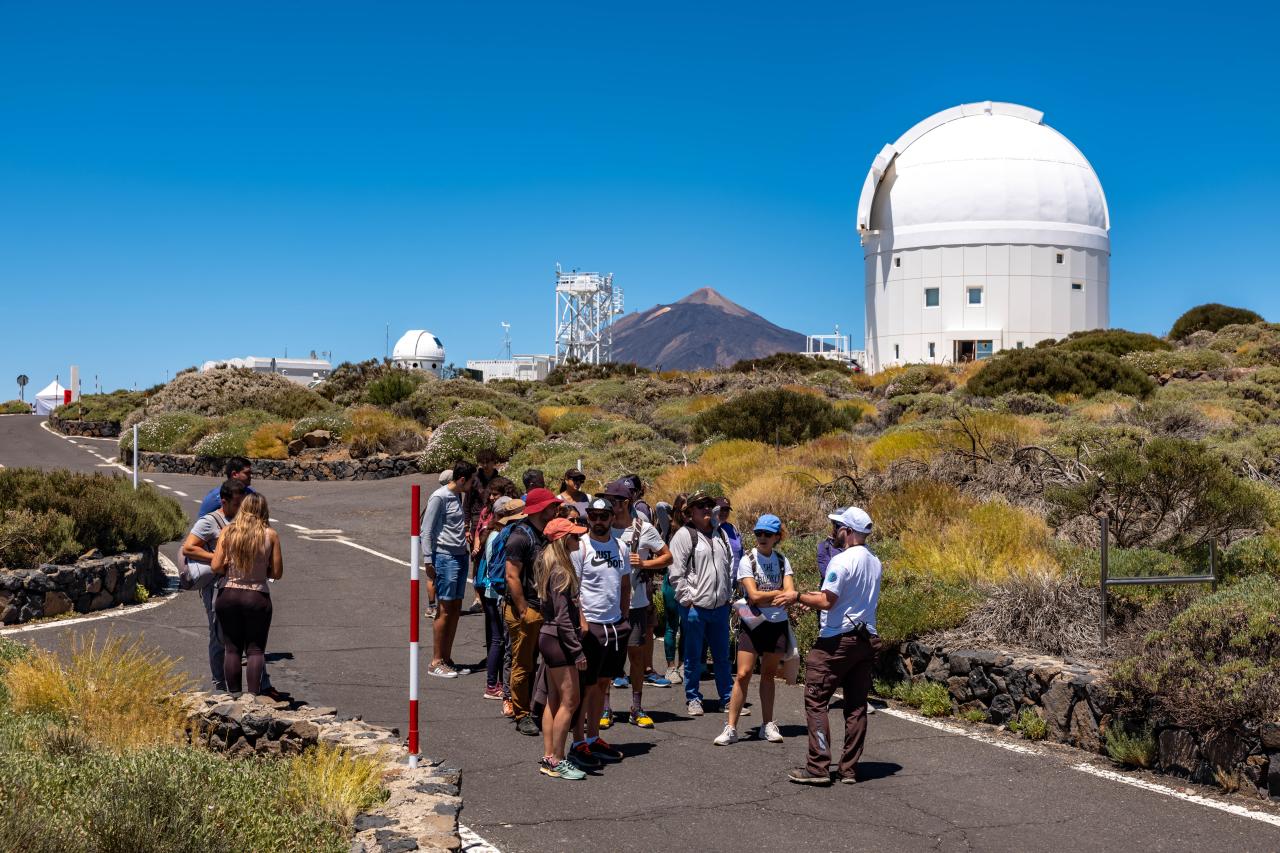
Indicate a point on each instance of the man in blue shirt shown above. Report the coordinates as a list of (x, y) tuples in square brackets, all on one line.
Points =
[(238, 468)]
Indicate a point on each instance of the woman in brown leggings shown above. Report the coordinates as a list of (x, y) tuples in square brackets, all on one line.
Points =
[(248, 553)]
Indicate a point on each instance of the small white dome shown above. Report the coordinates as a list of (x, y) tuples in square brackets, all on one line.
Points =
[(418, 345), (983, 173)]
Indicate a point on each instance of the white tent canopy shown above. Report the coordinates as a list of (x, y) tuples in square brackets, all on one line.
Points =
[(50, 398)]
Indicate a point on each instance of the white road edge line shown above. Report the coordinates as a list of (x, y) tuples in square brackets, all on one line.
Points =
[(473, 843), (124, 610), (163, 486), (1100, 772), (180, 494), (399, 561)]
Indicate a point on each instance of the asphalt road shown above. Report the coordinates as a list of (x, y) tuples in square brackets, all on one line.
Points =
[(339, 638)]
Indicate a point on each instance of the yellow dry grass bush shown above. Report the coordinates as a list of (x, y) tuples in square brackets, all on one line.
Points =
[(678, 479), (1218, 416), (915, 505), (884, 377), (340, 783), (964, 372), (687, 406), (986, 543), (789, 494), (904, 444), (995, 429), (806, 389), (547, 415), (865, 408), (270, 441), (118, 695), (726, 463), (830, 452)]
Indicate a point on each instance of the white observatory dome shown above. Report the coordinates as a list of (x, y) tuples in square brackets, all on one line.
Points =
[(418, 349), (983, 173)]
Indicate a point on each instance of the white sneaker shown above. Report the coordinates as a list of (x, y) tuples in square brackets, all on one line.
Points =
[(745, 712), (673, 675), (871, 709), (769, 731), (695, 708), (443, 670), (728, 736)]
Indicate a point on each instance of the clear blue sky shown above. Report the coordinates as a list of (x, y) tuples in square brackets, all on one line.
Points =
[(181, 181)]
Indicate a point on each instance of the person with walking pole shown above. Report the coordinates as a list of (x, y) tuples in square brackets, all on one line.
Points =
[(843, 656)]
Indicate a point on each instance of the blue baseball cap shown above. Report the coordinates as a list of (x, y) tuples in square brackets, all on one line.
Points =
[(768, 524)]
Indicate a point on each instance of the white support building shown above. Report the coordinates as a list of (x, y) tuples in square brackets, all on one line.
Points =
[(304, 371), (983, 229), (418, 349), (586, 303), (526, 368)]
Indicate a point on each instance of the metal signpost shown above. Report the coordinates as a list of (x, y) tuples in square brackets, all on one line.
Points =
[(415, 558), (135, 457), (22, 385)]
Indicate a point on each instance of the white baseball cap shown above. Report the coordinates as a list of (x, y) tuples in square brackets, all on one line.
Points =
[(853, 518)]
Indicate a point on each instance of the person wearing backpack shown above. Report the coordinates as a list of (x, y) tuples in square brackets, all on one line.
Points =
[(701, 576), (197, 558), (764, 574), (491, 581)]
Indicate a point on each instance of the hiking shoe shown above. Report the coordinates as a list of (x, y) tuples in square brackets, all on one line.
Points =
[(673, 675), (654, 680), (621, 682), (526, 726), (494, 692), (603, 751), (769, 731), (694, 708), (581, 756), (508, 709), (606, 718), (801, 776), (641, 719), (442, 670), (728, 736)]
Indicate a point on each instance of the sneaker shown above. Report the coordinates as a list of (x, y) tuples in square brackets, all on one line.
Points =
[(547, 767), (476, 607), (432, 609), (654, 680), (694, 708), (745, 712), (581, 756), (526, 726), (508, 709), (849, 780), (442, 670), (606, 718), (801, 776), (871, 709), (728, 736), (621, 681), (673, 675), (494, 692), (640, 718), (769, 731), (566, 770), (461, 670), (601, 749)]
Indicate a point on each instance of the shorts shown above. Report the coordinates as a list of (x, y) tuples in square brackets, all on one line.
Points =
[(553, 652), (639, 627), (451, 575), (606, 649), (767, 638)]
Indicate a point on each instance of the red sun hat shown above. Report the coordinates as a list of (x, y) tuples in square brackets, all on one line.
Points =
[(558, 528), (539, 499)]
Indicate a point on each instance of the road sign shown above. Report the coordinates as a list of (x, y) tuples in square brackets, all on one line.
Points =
[(22, 383)]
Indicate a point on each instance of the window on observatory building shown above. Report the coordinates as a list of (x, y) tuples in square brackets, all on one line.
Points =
[(897, 262), (1059, 257), (931, 297), (933, 352), (1076, 285), (974, 295), (895, 352)]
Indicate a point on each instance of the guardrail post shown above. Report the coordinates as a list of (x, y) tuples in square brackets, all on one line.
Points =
[(1103, 536), (415, 558), (135, 457), (1213, 565)]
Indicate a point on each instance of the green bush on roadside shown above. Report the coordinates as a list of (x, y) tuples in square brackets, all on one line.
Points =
[(169, 432), (113, 407), (392, 387), (1131, 749), (337, 423), (929, 697), (15, 407), (1030, 725)]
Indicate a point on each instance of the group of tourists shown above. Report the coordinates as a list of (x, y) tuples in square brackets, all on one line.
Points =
[(568, 583), (230, 556)]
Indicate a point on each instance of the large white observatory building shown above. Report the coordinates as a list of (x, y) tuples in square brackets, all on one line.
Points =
[(418, 349), (983, 229)]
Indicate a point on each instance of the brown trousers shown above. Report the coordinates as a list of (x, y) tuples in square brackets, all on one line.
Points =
[(523, 634), (842, 662)]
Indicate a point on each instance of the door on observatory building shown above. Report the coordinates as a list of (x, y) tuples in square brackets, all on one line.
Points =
[(966, 351)]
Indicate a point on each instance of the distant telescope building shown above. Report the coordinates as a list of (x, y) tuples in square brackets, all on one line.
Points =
[(983, 229), (418, 349), (304, 371)]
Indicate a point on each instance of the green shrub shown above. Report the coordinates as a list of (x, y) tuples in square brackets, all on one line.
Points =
[(975, 715), (392, 387), (28, 539), (1211, 317), (376, 430), (1131, 749), (171, 432), (1115, 342), (346, 383), (788, 362), (15, 407), (1215, 665), (223, 444), (774, 415), (226, 390), (462, 438), (336, 423), (1053, 371), (113, 407), (1188, 360), (920, 379), (1255, 555), (108, 514), (913, 605), (931, 698), (1029, 404), (1030, 725)]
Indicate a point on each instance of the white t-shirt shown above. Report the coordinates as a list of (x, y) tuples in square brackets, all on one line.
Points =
[(600, 567), (650, 544), (768, 578), (854, 576)]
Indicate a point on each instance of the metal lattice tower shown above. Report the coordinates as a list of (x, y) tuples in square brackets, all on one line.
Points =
[(586, 303)]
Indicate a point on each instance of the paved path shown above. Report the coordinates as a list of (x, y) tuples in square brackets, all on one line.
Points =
[(339, 639)]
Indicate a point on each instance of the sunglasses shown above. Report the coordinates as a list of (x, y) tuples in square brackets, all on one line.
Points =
[(599, 515), (764, 534)]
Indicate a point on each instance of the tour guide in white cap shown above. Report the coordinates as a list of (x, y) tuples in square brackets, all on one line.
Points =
[(844, 653)]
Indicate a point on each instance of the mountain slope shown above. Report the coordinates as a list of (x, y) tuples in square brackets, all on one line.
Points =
[(702, 330)]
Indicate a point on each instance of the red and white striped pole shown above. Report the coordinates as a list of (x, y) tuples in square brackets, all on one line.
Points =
[(415, 559)]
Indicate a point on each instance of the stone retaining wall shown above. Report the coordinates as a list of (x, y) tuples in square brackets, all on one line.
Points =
[(379, 466), (421, 812), (92, 429), (89, 584), (1072, 699)]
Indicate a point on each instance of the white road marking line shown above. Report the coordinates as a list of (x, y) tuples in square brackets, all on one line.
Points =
[(473, 843), (399, 561), (294, 526), (1083, 767), (170, 570), (180, 494), (147, 480), (163, 486)]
